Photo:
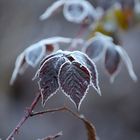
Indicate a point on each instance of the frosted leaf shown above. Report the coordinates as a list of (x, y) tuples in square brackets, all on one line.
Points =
[(74, 80), (103, 37), (74, 72), (34, 54), (94, 48), (127, 61), (59, 53), (112, 61), (87, 62), (78, 11), (74, 11), (52, 9), (56, 39), (48, 76), (18, 66)]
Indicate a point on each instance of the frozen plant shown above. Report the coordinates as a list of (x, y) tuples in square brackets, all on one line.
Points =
[(73, 70), (76, 11), (102, 46), (33, 54)]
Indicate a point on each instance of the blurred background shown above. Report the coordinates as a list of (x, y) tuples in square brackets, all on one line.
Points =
[(116, 114)]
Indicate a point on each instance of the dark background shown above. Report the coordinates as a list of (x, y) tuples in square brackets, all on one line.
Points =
[(116, 114)]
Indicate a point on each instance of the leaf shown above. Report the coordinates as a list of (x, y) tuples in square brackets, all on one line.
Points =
[(19, 66), (56, 6), (87, 62), (54, 40), (48, 76), (127, 61), (91, 132), (79, 11), (74, 80), (59, 53), (34, 54), (94, 48), (112, 61), (75, 11)]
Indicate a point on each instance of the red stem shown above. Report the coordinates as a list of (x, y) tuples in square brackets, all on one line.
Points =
[(25, 117), (82, 29)]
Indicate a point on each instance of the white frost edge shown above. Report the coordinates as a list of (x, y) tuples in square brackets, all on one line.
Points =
[(127, 61), (91, 83), (43, 104), (137, 7), (88, 42), (42, 96), (36, 74), (104, 37), (17, 68), (113, 76), (40, 56), (55, 39), (91, 10), (50, 10), (69, 95), (69, 17)]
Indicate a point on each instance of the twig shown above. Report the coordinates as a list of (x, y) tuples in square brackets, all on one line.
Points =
[(52, 137), (31, 113), (25, 117), (62, 109), (91, 132), (47, 111)]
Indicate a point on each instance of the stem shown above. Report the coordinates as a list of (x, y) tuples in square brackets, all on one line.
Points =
[(47, 111), (82, 29), (25, 117), (91, 132), (56, 110), (29, 113)]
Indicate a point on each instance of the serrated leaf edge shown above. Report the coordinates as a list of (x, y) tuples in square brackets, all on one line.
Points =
[(66, 93), (43, 103), (91, 83)]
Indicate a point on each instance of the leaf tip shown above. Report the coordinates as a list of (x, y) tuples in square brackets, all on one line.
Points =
[(42, 17)]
